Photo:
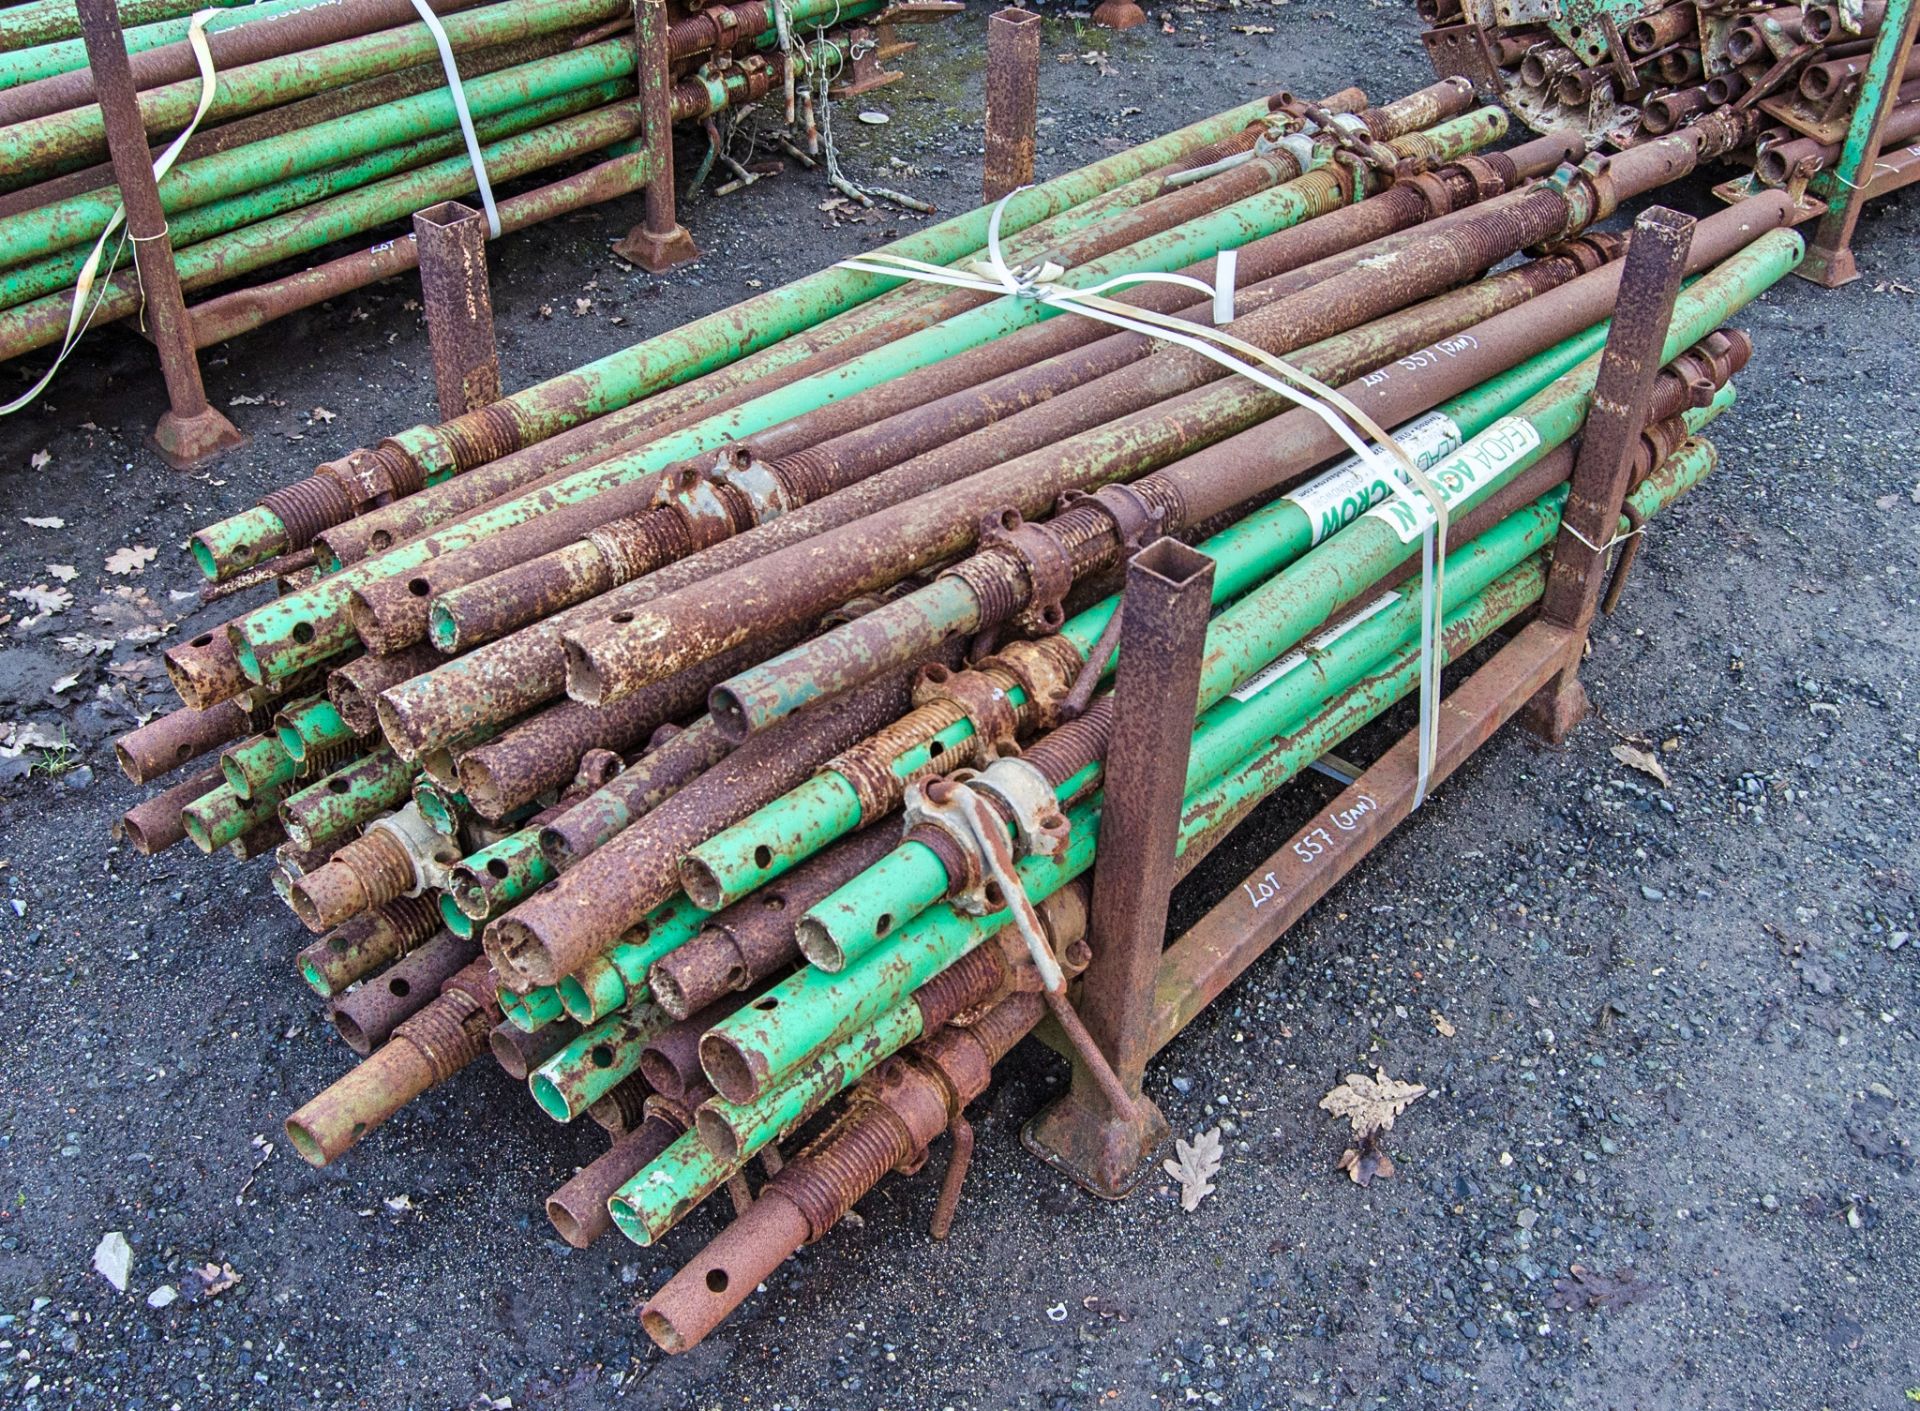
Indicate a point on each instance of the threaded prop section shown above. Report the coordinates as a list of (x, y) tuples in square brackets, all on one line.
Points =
[(968, 981), (1063, 753), (624, 1108), (380, 864), (807, 475), (402, 474), (484, 434), (844, 1163), (637, 545), (449, 1033), (410, 920), (1219, 150), (868, 766), (1008, 1022), (998, 579), (307, 507)]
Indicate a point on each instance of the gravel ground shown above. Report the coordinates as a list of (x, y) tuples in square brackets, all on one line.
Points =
[(1666, 1030)]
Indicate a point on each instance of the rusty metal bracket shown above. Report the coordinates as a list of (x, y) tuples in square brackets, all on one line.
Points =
[(1100, 1143), (1013, 99), (1610, 443), (452, 240), (1048, 567), (190, 432)]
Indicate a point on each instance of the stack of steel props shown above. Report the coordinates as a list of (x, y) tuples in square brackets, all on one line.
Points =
[(317, 771), (348, 125), (1285, 673), (483, 882), (1833, 90)]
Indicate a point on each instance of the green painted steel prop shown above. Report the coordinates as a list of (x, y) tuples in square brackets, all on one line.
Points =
[(622, 378)]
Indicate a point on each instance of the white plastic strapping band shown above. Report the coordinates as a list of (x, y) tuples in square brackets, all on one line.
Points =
[(80, 316), (459, 92), (1041, 284)]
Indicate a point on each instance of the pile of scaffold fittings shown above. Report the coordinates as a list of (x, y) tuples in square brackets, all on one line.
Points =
[(1623, 72), (722, 734), (291, 125)]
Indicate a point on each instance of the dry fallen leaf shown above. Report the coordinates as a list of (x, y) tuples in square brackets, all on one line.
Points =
[(86, 644), (132, 614), (50, 521), (39, 460), (44, 600), (322, 414), (582, 307), (1371, 1104), (1199, 1162), (131, 559), (1446, 1029), (216, 1278), (64, 572), (1366, 1161), (245, 401), (1645, 761)]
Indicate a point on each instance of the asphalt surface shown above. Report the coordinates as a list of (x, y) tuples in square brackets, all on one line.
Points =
[(1666, 1030)]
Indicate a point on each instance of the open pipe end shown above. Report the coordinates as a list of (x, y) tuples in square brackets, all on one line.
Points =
[(196, 829), (244, 653), (208, 562), (717, 1134), (350, 1031), (663, 1333), (583, 676), (702, 886), (818, 945), (481, 786), (305, 1142), (392, 716), (658, 1072), (627, 1219), (443, 628), (575, 1000), (557, 848), (730, 1069), (568, 1225), (729, 713), (512, 1060), (316, 979), (547, 1094), (518, 952), (455, 919), (664, 985)]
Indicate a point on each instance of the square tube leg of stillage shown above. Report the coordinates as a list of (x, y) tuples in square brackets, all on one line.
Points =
[(1847, 186), (1013, 101), (191, 432), (1163, 628), (1623, 389), (659, 242), (452, 241)]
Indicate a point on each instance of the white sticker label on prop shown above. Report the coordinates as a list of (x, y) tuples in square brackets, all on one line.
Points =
[(1318, 642), (1336, 498), (1482, 460)]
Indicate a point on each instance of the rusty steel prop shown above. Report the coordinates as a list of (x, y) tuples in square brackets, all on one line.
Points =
[(366, 1016), (586, 909)]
